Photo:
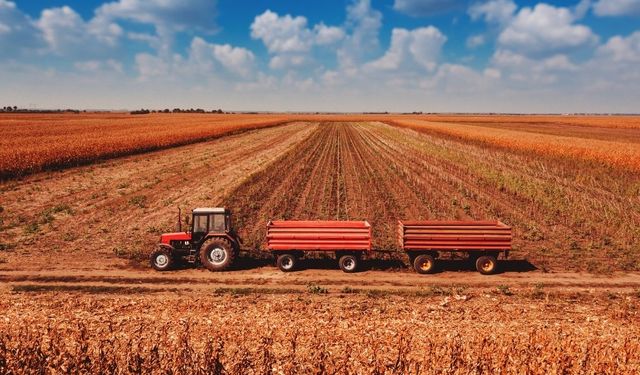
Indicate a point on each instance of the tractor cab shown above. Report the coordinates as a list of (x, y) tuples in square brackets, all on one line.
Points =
[(209, 241)]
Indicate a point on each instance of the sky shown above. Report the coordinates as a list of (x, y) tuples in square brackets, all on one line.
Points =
[(332, 55)]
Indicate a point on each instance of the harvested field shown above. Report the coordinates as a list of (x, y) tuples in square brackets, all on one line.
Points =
[(76, 293), (122, 206), (36, 142), (493, 331), (372, 171), (31, 143)]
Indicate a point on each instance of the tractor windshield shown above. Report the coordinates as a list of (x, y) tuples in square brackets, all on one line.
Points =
[(217, 223)]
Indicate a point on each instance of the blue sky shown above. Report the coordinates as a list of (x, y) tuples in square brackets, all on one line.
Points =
[(341, 55)]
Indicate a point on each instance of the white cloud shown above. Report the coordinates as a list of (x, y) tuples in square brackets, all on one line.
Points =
[(419, 8), (99, 66), (18, 32), (67, 33), (475, 41), (499, 12), (419, 47), (616, 7), (545, 30), (282, 33), (289, 39), (203, 62), (167, 16), (620, 49), (150, 66), (362, 42), (235, 59), (328, 34)]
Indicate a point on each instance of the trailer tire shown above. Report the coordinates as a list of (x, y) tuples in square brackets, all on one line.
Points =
[(487, 265), (217, 254), (424, 264), (287, 262), (348, 263), (161, 260)]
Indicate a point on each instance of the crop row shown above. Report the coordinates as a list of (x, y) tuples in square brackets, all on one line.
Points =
[(376, 172), (619, 153)]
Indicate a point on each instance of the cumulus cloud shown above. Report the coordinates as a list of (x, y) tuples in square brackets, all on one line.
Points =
[(289, 39), (420, 8), (499, 12), (167, 16), (362, 42), (328, 34), (68, 34), (419, 47), (203, 60), (621, 49), (545, 30), (616, 7)]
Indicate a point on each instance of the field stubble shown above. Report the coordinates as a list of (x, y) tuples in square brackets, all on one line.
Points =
[(564, 215)]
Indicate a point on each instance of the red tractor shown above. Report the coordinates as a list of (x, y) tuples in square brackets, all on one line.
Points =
[(211, 242)]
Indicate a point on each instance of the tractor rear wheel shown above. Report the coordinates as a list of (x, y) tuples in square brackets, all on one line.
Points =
[(287, 262), (424, 263), (217, 254), (161, 260), (487, 265)]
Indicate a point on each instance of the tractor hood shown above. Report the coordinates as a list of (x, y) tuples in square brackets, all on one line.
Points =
[(166, 238)]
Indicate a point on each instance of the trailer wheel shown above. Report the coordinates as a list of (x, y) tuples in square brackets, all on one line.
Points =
[(161, 260), (424, 264), (217, 254), (487, 264), (287, 262), (348, 263)]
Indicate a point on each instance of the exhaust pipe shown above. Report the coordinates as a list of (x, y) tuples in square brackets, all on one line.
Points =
[(179, 220)]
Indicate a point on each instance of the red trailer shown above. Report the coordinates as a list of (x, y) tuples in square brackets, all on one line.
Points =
[(289, 240), (482, 241)]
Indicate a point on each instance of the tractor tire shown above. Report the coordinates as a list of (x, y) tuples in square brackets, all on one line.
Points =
[(424, 264), (161, 260), (487, 265), (287, 262), (217, 254), (348, 263)]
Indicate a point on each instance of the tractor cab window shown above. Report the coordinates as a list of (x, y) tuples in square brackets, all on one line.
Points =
[(199, 223), (217, 223)]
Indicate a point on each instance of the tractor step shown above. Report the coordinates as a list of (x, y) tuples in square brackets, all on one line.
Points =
[(191, 258)]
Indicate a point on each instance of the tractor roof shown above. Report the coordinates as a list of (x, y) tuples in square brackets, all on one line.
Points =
[(209, 210)]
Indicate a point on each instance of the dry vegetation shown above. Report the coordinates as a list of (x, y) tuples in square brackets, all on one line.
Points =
[(36, 142), (32, 143), (436, 332), (594, 142)]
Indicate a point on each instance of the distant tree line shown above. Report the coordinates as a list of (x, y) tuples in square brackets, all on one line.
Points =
[(15, 109), (175, 110)]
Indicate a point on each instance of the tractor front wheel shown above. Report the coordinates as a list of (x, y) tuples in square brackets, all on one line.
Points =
[(217, 254), (161, 260)]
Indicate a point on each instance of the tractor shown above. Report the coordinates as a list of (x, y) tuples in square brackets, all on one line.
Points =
[(211, 242)]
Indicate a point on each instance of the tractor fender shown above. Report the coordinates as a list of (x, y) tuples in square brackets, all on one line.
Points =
[(232, 239), (166, 247)]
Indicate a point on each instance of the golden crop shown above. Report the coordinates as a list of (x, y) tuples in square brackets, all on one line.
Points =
[(301, 333)]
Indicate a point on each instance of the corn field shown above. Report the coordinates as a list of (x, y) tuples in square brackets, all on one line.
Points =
[(300, 333)]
